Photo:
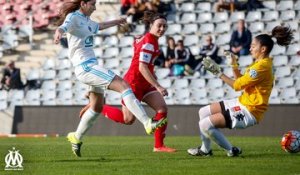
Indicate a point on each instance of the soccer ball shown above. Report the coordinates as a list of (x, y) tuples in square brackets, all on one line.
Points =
[(290, 141)]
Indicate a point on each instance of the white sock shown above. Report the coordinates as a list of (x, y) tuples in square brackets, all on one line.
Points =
[(204, 112), (210, 131), (86, 122), (135, 106)]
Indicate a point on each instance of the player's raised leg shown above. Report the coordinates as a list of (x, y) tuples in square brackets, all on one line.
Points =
[(86, 122)]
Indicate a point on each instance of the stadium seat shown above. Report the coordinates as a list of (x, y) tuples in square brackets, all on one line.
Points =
[(125, 64), (166, 83), (293, 49), (112, 63), (49, 85), (204, 17), (187, 7), (203, 7), (126, 41), (48, 75), (281, 60), (98, 52), (282, 71), (270, 5), (297, 5), (80, 99), (256, 27), (64, 85), (220, 17), (278, 50), (113, 98), (297, 86), (162, 73), (194, 50), (197, 95), (110, 41), (49, 64), (79, 87), (190, 29), (3, 95), (216, 95), (287, 15), (296, 74), (253, 16), (109, 31), (33, 74), (228, 71), (274, 93), (207, 28), (111, 52), (285, 5), (245, 61), (64, 74), (294, 26), (223, 39), (270, 16), (173, 29), (190, 40), (126, 52), (235, 16), (97, 41), (181, 96), (295, 61), (177, 37), (63, 64), (196, 84), (169, 99), (208, 75), (179, 84), (223, 28), (138, 30), (214, 83), (65, 98), (188, 18), (3, 105), (284, 82), (162, 41), (275, 100), (288, 93), (63, 54), (32, 97)]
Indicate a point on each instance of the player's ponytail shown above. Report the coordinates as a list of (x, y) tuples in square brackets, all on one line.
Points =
[(282, 34), (68, 7)]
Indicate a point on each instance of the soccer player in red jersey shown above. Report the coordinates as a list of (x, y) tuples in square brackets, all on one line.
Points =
[(143, 81)]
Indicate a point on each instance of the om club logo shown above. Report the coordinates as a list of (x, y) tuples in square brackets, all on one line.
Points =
[(13, 160)]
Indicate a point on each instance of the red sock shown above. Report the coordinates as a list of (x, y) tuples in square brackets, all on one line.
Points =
[(159, 134), (113, 113)]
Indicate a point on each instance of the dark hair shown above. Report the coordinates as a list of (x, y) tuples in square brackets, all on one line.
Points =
[(283, 35), (68, 7), (150, 16)]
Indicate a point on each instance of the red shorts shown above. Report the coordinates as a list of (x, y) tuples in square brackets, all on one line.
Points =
[(140, 90)]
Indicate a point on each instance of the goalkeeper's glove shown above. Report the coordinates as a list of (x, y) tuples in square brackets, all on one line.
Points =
[(211, 66), (231, 59)]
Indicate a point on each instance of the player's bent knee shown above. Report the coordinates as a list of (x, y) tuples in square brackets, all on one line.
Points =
[(129, 121)]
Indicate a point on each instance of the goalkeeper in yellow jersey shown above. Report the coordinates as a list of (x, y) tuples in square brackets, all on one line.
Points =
[(247, 110)]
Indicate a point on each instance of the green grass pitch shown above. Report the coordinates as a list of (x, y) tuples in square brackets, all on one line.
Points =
[(134, 156)]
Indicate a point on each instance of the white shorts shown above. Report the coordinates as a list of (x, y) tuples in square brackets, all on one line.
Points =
[(92, 74), (236, 115)]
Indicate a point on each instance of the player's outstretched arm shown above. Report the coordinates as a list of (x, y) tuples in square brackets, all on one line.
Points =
[(107, 24)]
